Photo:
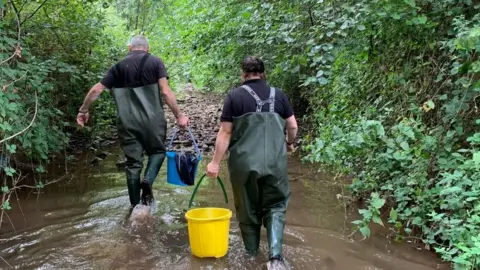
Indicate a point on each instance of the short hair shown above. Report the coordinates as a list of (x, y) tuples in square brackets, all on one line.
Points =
[(139, 41), (253, 64)]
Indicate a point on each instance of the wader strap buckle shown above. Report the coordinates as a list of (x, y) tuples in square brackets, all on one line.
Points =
[(260, 103)]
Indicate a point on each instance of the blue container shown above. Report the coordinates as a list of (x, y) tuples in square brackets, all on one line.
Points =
[(172, 173)]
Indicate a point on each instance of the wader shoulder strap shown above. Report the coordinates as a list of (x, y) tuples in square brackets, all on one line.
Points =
[(260, 103), (138, 76)]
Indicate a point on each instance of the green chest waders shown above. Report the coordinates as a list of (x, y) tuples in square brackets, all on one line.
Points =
[(258, 171), (141, 128)]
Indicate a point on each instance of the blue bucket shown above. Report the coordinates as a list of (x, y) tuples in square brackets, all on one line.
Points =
[(172, 173)]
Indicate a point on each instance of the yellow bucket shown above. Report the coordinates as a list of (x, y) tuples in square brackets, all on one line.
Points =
[(208, 231)]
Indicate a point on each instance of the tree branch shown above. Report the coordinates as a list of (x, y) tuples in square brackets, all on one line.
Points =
[(17, 48), (4, 88), (31, 122), (35, 12)]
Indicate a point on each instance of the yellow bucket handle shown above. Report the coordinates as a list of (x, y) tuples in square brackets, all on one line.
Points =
[(198, 185)]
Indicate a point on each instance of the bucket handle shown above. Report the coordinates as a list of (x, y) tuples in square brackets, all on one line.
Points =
[(174, 135), (198, 185)]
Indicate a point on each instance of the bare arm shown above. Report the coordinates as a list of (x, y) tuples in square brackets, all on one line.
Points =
[(291, 129), (92, 95), (223, 140), (169, 97)]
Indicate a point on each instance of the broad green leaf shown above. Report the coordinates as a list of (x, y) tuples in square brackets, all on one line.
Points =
[(365, 213), (396, 16), (9, 171), (410, 2), (378, 203), (5, 189), (476, 158), (405, 146), (365, 231), (393, 215), (40, 169), (377, 220), (420, 20), (361, 27), (6, 205), (417, 221), (12, 148), (451, 190)]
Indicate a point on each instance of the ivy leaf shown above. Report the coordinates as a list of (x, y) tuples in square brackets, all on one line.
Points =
[(5, 188), (476, 158), (11, 148), (417, 221), (322, 81), (361, 27), (420, 20), (405, 146), (396, 16), (378, 203), (393, 215), (40, 169), (6, 205), (365, 231), (40, 185), (9, 171), (451, 190)]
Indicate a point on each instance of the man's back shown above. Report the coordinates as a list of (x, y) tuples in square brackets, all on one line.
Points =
[(153, 70)]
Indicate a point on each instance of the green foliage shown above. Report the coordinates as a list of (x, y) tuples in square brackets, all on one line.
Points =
[(389, 89), (372, 213), (51, 52), (399, 113)]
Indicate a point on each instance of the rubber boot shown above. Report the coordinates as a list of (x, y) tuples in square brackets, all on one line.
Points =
[(251, 238), (151, 172), (133, 185), (275, 224), (154, 164)]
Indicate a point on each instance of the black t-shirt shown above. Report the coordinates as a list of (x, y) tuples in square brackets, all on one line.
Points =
[(153, 70), (239, 102)]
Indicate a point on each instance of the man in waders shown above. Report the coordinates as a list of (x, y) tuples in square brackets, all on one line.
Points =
[(138, 85), (253, 124)]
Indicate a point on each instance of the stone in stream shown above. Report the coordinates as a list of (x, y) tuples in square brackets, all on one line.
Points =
[(103, 155), (95, 161)]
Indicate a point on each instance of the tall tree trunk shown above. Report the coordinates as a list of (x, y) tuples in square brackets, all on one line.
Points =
[(138, 13)]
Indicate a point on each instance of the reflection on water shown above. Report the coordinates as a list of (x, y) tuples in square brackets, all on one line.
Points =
[(83, 224)]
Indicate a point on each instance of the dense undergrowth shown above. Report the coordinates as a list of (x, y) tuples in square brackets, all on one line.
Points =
[(389, 89)]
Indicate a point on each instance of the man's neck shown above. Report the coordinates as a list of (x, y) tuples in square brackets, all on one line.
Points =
[(250, 78), (137, 50)]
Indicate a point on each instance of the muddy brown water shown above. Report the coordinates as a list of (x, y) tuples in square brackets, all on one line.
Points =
[(82, 223)]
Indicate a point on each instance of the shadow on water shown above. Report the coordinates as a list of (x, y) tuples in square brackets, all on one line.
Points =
[(83, 224)]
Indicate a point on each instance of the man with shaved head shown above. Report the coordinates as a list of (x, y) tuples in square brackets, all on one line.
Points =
[(139, 85)]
